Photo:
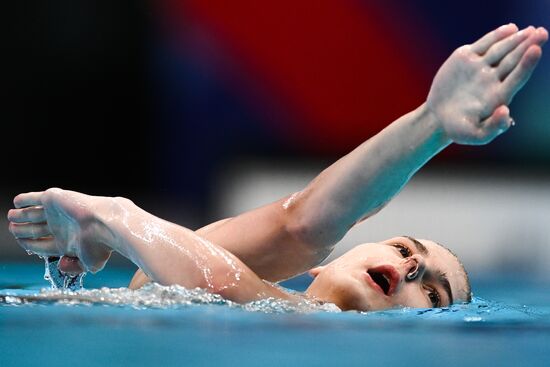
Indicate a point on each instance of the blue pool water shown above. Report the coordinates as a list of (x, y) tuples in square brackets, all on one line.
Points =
[(508, 326)]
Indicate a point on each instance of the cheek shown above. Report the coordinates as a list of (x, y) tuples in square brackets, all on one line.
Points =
[(349, 300), (349, 294), (411, 296)]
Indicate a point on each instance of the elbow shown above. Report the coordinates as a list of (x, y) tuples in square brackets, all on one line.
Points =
[(312, 225), (300, 224), (313, 233)]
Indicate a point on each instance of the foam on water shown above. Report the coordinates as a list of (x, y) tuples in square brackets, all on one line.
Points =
[(153, 295)]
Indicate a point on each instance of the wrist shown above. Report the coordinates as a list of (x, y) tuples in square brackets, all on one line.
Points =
[(110, 217), (435, 125)]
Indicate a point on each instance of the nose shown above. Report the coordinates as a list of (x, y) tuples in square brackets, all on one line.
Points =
[(415, 267)]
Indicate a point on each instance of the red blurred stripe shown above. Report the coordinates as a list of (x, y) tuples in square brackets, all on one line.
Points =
[(343, 69)]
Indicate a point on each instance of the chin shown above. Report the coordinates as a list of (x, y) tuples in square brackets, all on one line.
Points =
[(373, 303), (348, 300)]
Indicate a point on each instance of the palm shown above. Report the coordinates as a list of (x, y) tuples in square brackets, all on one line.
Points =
[(472, 89)]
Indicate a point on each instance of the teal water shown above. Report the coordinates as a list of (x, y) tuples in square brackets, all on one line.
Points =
[(508, 324)]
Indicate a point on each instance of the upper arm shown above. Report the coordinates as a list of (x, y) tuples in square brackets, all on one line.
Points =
[(268, 240)]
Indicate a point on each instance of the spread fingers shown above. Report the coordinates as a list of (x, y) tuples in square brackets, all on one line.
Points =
[(482, 45), (513, 58), (500, 49), (521, 73)]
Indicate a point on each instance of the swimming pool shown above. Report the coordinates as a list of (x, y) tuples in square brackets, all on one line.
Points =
[(511, 329)]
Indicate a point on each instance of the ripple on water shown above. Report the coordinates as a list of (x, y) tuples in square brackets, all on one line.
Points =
[(479, 312)]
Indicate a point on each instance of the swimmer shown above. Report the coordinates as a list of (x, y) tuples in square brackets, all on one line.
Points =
[(239, 257)]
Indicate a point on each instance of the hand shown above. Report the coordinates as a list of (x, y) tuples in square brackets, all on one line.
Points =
[(57, 222), (471, 91)]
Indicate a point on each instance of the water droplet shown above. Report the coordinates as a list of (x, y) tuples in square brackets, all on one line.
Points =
[(58, 279)]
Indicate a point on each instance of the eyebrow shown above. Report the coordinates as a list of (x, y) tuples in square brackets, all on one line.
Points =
[(444, 281), (419, 246), (439, 276)]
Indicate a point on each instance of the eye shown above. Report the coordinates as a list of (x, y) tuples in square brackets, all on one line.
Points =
[(403, 250), (434, 297)]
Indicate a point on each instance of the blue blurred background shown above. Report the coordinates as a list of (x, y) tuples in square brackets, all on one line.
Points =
[(182, 105)]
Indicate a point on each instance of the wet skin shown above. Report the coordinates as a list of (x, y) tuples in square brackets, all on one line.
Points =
[(398, 272), (467, 104)]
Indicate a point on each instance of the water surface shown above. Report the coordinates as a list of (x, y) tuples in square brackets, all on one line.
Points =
[(508, 324)]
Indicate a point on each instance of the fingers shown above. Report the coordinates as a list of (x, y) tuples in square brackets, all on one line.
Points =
[(511, 60), (28, 199), (496, 124), (41, 246), (27, 225), (482, 45), (521, 73), (29, 230), (34, 214), (500, 49), (70, 265)]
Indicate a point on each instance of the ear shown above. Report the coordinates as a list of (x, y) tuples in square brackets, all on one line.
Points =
[(315, 271)]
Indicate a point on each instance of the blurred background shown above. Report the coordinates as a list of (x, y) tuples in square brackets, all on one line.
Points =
[(198, 110)]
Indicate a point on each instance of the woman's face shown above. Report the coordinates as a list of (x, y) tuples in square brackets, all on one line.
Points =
[(399, 272)]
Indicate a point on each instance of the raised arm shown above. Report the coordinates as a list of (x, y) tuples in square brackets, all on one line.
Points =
[(467, 104)]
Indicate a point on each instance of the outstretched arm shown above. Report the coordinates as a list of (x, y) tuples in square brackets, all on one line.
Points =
[(467, 104), (67, 223)]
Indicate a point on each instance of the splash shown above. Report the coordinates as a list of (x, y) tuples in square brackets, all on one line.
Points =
[(154, 295), (59, 279), (478, 313)]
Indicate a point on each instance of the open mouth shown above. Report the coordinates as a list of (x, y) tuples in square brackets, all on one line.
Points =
[(385, 277)]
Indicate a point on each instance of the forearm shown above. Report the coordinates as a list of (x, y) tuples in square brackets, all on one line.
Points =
[(362, 182), (171, 254), (468, 101)]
